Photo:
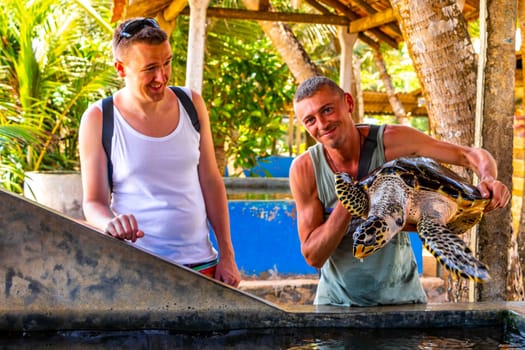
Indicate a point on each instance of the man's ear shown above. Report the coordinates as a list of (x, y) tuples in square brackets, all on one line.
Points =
[(120, 69), (350, 101)]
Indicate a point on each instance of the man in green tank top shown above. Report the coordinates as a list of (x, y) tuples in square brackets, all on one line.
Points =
[(389, 276)]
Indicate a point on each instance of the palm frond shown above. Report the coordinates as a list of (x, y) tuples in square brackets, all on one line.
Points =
[(54, 61)]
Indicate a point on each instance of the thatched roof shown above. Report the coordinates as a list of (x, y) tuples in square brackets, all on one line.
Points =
[(373, 20), (377, 103)]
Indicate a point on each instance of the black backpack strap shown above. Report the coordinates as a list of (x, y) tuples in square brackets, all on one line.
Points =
[(367, 151), (188, 106), (107, 134)]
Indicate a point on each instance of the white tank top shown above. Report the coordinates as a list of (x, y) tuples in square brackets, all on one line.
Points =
[(156, 180)]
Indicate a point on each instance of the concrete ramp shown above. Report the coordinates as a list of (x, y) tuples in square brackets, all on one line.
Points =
[(58, 273)]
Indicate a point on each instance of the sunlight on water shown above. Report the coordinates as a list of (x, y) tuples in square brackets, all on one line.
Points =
[(291, 339)]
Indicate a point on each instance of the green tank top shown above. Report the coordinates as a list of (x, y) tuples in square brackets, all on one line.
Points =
[(389, 276)]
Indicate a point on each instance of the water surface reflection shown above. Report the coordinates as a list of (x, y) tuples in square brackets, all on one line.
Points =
[(297, 339)]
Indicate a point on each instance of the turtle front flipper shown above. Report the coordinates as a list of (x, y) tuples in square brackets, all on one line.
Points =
[(352, 196), (450, 251)]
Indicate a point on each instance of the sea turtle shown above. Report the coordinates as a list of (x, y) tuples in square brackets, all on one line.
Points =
[(417, 191)]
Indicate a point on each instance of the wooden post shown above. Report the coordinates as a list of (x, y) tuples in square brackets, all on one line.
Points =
[(196, 44), (346, 73)]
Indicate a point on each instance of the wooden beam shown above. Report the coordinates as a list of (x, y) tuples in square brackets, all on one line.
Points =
[(366, 39), (372, 21), (264, 5), (220, 12), (354, 16), (341, 8), (369, 41), (383, 37), (363, 5), (173, 10), (377, 103), (473, 3), (144, 8), (319, 7)]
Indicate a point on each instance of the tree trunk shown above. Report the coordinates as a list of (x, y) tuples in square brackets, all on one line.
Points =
[(397, 106), (439, 45), (359, 111), (290, 49), (438, 42), (497, 244), (521, 226), (440, 48)]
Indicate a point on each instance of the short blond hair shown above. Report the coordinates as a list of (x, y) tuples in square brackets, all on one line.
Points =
[(146, 31), (312, 85)]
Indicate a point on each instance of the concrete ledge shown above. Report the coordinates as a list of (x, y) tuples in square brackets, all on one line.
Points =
[(301, 291), (283, 291), (58, 274), (266, 183), (398, 317)]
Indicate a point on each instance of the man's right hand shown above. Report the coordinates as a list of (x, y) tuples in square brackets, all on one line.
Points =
[(124, 227)]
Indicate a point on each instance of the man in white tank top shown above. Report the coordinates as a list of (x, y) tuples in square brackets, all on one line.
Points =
[(165, 183), (325, 111)]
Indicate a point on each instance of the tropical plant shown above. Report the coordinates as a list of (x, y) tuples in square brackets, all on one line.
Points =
[(247, 87), (54, 60), (249, 95)]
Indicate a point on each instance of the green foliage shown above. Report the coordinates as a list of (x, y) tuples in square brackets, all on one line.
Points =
[(398, 63), (248, 89), (55, 59), (420, 123), (54, 62), (322, 45)]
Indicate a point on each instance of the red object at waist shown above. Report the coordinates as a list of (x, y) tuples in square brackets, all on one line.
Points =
[(207, 269)]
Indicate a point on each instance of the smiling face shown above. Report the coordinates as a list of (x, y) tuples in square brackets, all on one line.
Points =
[(326, 115), (146, 68)]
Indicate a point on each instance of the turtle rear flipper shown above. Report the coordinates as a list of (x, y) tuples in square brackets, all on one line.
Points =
[(465, 222), (451, 251)]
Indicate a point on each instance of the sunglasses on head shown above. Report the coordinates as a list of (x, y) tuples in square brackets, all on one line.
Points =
[(134, 26)]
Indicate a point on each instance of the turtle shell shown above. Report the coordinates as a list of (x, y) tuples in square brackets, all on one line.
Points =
[(416, 191), (425, 174)]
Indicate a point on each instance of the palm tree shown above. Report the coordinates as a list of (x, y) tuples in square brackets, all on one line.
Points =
[(50, 59)]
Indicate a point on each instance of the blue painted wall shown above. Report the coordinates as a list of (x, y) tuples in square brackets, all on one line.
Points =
[(417, 247), (272, 166), (264, 235)]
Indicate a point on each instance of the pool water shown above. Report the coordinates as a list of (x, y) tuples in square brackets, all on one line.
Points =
[(296, 339)]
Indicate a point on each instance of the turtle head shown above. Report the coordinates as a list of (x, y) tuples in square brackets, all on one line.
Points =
[(375, 232), (351, 195), (369, 237)]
